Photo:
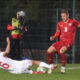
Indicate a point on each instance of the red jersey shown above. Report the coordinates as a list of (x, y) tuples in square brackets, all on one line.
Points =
[(67, 30)]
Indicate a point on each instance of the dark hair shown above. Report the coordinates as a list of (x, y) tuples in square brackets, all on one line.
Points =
[(64, 11)]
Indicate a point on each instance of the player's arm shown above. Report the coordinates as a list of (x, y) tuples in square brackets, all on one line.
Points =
[(8, 46), (56, 34), (76, 23), (10, 27)]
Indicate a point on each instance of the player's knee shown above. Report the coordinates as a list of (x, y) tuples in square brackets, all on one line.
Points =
[(63, 50), (51, 50)]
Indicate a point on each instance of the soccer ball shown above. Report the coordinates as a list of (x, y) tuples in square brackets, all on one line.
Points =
[(41, 69)]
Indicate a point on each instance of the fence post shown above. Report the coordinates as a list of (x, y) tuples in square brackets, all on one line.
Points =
[(57, 14), (73, 49)]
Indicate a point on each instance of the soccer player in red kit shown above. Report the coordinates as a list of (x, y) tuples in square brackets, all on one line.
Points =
[(66, 29)]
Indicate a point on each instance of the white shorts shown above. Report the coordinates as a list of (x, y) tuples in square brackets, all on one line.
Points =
[(21, 66)]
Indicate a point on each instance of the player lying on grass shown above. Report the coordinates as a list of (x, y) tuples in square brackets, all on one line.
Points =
[(18, 67), (66, 29)]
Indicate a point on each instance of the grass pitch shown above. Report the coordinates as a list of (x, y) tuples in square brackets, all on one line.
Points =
[(72, 73)]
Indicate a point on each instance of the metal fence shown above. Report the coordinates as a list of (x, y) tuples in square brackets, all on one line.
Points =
[(36, 40)]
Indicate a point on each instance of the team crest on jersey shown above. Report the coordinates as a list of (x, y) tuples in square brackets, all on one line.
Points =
[(70, 24)]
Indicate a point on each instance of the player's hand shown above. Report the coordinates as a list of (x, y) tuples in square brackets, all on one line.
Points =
[(8, 40), (51, 38)]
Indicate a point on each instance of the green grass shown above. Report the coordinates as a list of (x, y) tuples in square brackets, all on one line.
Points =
[(73, 74)]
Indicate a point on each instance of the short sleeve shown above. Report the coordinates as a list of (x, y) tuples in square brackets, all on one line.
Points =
[(76, 23), (58, 27), (1, 53)]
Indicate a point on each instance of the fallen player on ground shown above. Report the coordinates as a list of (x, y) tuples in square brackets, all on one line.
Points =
[(18, 67)]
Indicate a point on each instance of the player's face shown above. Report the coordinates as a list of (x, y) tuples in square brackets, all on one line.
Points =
[(64, 16)]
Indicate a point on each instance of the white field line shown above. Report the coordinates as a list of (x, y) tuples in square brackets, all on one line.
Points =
[(71, 68)]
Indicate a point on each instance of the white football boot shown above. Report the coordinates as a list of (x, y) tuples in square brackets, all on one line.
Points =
[(62, 70), (52, 68)]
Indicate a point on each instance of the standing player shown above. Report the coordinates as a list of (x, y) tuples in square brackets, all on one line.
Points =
[(66, 29), (18, 67)]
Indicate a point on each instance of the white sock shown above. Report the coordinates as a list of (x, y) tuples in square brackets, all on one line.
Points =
[(51, 65), (43, 64), (63, 68)]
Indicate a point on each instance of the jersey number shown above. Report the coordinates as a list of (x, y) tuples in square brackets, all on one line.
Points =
[(4, 65), (66, 29)]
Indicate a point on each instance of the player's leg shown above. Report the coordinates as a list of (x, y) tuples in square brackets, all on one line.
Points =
[(42, 64), (34, 62), (63, 58), (50, 52)]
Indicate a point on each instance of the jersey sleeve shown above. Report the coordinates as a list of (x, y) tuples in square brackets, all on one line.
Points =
[(1, 53), (76, 23), (58, 27)]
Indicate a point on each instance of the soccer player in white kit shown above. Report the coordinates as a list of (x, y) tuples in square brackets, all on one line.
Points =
[(18, 67)]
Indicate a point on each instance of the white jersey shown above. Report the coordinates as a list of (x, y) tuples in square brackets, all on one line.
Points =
[(15, 66)]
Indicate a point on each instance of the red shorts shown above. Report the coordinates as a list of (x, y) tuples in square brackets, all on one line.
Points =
[(58, 45)]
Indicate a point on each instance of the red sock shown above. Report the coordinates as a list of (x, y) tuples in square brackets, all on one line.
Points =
[(50, 58), (63, 59)]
